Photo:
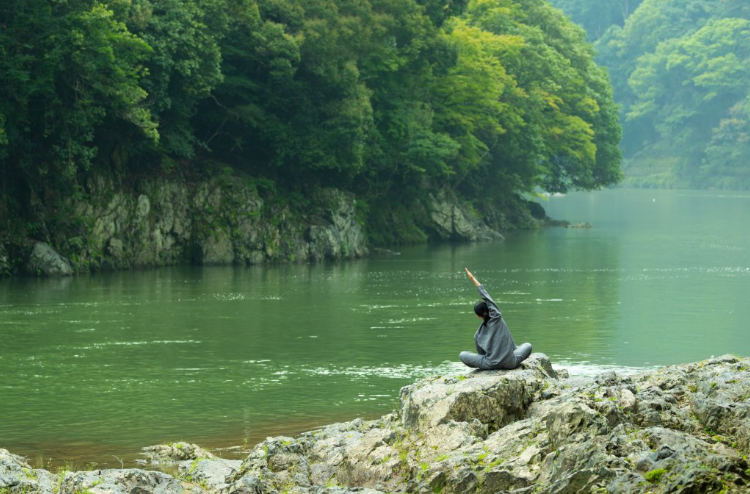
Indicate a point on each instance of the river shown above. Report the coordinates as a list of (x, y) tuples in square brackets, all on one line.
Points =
[(95, 367)]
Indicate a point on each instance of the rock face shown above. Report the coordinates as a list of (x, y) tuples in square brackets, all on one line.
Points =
[(175, 452), (45, 261), (217, 222), (682, 429), (453, 221), (125, 481), (5, 266)]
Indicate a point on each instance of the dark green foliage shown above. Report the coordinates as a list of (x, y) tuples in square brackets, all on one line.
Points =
[(387, 98), (68, 70)]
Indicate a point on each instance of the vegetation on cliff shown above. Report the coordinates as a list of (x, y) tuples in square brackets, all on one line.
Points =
[(389, 99), (680, 70)]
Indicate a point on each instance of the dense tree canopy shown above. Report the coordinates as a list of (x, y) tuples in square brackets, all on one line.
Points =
[(486, 97), (597, 16), (680, 71)]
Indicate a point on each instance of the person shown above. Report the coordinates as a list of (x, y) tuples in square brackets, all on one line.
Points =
[(495, 346)]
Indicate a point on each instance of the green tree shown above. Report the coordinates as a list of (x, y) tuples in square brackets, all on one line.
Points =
[(728, 153), (68, 69), (597, 16), (560, 130), (688, 85), (185, 64)]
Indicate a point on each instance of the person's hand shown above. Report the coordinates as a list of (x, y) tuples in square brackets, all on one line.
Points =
[(471, 277)]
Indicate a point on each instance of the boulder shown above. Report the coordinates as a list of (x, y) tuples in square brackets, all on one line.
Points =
[(45, 261), (127, 481), (17, 476), (453, 221), (5, 266), (211, 474), (174, 452), (495, 398)]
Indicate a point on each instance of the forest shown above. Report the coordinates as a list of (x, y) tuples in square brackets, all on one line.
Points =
[(679, 69), (492, 100)]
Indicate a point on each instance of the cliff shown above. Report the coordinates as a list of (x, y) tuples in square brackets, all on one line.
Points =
[(221, 219), (681, 429), (160, 222)]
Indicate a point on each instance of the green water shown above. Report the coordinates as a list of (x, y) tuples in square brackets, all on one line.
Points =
[(96, 367)]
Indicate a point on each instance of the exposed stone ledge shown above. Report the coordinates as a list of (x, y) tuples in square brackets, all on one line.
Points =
[(681, 429)]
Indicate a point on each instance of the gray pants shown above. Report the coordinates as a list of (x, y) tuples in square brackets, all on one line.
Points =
[(521, 353)]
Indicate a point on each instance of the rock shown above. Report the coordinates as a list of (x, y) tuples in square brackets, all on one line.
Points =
[(335, 232), (721, 401), (5, 266), (115, 248), (11, 469), (217, 248), (483, 432), (452, 221), (17, 476), (45, 261), (211, 474), (628, 401), (385, 252), (218, 221), (126, 481), (573, 421), (495, 398), (174, 452), (324, 245), (344, 490)]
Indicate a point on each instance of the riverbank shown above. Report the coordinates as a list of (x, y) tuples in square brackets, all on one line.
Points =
[(225, 217), (683, 428)]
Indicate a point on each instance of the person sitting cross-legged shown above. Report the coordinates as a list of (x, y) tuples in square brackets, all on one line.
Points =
[(495, 346)]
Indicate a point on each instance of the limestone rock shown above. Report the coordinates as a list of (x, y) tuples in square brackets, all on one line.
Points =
[(174, 452), (521, 431), (5, 267), (218, 221), (121, 482), (16, 476), (45, 261), (210, 473), (454, 221), (495, 398)]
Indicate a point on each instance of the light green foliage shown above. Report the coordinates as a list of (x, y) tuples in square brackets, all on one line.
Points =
[(559, 119), (679, 69), (654, 476), (596, 16)]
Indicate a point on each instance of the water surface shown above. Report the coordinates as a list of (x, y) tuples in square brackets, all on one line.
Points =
[(95, 367)]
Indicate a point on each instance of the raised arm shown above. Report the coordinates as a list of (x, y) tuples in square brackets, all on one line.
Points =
[(494, 309), (471, 277)]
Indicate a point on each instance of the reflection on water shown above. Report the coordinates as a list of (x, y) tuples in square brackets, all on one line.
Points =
[(103, 365)]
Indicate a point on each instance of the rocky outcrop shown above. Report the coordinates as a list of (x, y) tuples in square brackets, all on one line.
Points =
[(452, 220), (682, 429), (222, 220), (46, 261), (17, 476), (5, 265), (126, 481), (530, 430), (162, 454)]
